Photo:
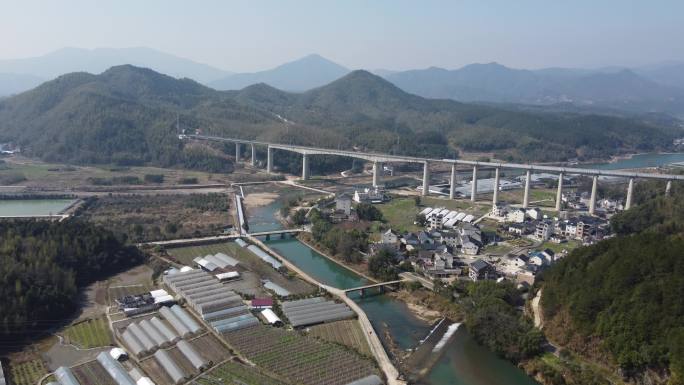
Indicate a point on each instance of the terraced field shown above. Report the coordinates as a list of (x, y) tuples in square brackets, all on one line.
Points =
[(28, 372), (300, 359), (87, 334), (346, 332), (232, 373)]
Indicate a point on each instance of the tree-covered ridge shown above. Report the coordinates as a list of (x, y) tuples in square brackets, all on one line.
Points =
[(127, 115), (626, 292), (43, 263)]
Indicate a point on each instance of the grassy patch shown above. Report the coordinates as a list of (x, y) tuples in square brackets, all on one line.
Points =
[(87, 334), (400, 214), (558, 247)]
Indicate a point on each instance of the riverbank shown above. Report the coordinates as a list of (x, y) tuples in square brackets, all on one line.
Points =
[(304, 239), (383, 360)]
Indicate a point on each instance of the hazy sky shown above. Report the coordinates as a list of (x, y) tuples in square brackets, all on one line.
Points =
[(396, 34)]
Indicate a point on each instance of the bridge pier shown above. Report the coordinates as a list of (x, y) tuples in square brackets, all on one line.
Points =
[(495, 196), (559, 193), (473, 191), (526, 196), (452, 182), (377, 169), (253, 156), (592, 201), (630, 193), (426, 178), (237, 152), (668, 187), (305, 166), (269, 160)]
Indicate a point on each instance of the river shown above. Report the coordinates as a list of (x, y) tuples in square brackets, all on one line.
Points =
[(32, 207), (463, 361), (639, 161)]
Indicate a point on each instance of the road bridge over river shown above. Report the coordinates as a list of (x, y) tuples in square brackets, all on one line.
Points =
[(378, 159)]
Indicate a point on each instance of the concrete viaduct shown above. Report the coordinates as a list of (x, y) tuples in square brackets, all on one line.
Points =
[(378, 159)]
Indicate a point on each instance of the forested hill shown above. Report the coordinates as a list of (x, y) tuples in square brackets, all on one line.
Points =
[(621, 301), (371, 112), (127, 115), (43, 263)]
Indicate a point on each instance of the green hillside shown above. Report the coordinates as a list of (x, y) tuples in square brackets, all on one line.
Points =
[(620, 302), (127, 115)]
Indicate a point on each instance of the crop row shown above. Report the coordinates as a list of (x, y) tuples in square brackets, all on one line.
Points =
[(298, 358)]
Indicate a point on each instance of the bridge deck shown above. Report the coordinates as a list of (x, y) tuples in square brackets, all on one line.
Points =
[(375, 285), (379, 157)]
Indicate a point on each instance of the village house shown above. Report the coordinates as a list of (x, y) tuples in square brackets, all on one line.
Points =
[(544, 230), (480, 270), (516, 216), (389, 237), (369, 195), (534, 214)]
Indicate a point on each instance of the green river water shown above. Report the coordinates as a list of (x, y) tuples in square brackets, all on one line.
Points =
[(463, 361)]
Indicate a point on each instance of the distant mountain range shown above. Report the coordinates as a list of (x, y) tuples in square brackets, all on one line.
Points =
[(127, 115), (19, 75), (658, 88), (300, 75)]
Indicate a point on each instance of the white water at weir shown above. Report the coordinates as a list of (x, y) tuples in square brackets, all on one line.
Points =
[(431, 332), (445, 338)]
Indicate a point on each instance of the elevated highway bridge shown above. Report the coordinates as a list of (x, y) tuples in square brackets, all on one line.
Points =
[(378, 159)]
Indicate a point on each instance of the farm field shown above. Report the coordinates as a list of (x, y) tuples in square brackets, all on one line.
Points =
[(27, 372), (93, 373), (124, 290), (249, 261), (346, 332), (230, 373), (160, 216), (300, 359), (87, 334)]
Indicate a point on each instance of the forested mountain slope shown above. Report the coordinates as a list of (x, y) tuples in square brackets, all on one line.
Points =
[(620, 302), (127, 115), (371, 112), (42, 264)]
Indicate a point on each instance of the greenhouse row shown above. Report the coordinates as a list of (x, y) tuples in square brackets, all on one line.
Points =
[(314, 311)]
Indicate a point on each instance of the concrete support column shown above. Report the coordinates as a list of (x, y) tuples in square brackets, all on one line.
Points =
[(253, 156), (473, 191), (269, 160), (452, 182), (559, 193), (592, 201), (305, 166), (668, 187), (237, 152), (630, 193), (426, 178), (495, 196), (377, 169), (526, 194)]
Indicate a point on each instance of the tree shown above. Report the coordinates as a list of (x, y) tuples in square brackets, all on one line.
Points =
[(417, 200), (421, 220), (381, 265), (368, 212), (299, 217)]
